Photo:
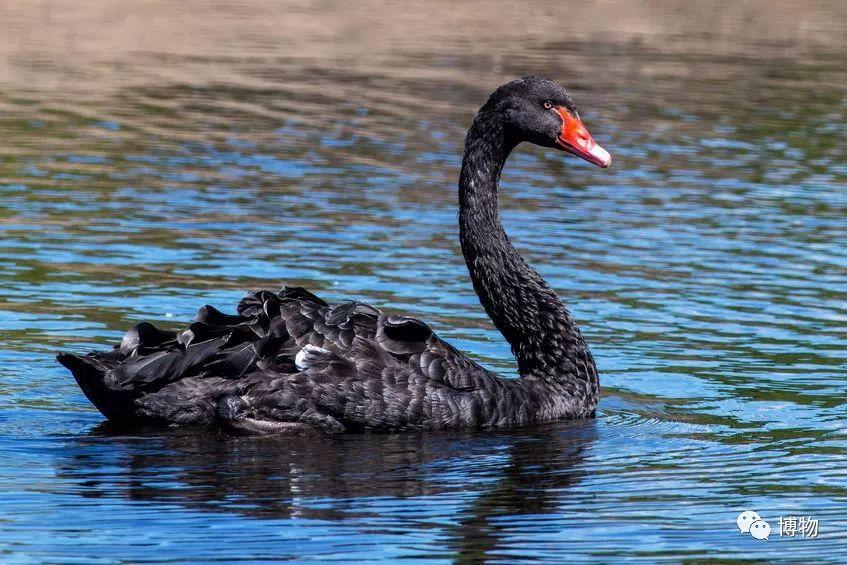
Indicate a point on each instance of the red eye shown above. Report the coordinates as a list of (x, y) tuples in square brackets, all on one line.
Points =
[(548, 104)]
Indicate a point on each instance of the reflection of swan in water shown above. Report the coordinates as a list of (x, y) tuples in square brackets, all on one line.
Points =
[(540, 470), (282, 476)]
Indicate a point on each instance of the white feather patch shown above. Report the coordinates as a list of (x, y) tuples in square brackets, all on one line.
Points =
[(306, 356)]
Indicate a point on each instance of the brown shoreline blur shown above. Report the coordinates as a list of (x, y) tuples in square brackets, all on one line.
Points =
[(109, 44)]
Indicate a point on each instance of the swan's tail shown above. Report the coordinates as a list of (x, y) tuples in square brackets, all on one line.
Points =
[(90, 373), (155, 376)]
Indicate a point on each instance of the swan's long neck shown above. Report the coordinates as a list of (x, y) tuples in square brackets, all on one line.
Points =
[(544, 338)]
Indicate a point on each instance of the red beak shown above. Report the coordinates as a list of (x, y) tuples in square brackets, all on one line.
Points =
[(574, 138)]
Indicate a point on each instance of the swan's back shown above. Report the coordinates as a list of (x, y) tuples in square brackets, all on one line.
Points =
[(289, 359)]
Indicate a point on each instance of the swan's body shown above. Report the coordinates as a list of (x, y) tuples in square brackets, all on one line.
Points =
[(290, 360)]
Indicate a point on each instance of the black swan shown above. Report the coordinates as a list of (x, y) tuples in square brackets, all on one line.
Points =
[(289, 360)]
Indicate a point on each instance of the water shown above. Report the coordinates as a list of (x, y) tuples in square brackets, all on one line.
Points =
[(157, 157)]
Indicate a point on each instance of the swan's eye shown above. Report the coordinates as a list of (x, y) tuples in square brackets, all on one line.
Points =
[(547, 104)]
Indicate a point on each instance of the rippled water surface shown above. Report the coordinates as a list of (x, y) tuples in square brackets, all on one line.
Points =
[(158, 156)]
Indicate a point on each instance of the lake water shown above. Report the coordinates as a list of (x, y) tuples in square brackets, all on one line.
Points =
[(156, 157)]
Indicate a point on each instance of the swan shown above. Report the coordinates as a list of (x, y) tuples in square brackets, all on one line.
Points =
[(288, 360)]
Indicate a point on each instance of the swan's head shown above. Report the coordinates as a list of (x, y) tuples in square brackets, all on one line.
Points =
[(542, 112)]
